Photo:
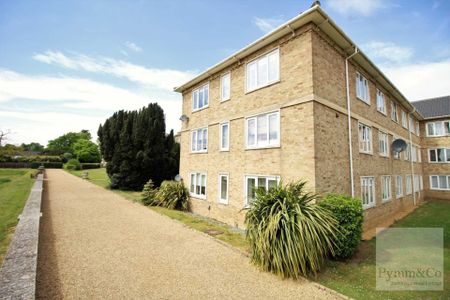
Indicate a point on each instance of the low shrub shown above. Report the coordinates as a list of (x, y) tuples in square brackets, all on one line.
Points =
[(87, 166), (173, 195), (149, 192), (348, 212), (288, 233), (73, 164), (47, 165)]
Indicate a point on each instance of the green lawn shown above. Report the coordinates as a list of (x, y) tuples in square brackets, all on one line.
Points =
[(15, 185), (228, 234), (355, 278)]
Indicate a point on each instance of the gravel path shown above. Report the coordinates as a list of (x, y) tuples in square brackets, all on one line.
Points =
[(95, 244)]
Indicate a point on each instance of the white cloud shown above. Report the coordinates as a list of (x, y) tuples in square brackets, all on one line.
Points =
[(388, 52), (267, 24), (358, 7), (421, 80), (82, 104), (165, 79), (133, 47)]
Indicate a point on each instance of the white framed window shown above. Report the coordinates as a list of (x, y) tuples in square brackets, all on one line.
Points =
[(413, 153), (421, 182), (394, 111), (223, 188), (368, 191), (381, 102), (386, 188), (411, 124), (440, 182), (416, 183), (408, 185), (419, 154), (263, 130), (225, 87), (362, 88), (417, 129), (404, 119), (439, 155), (383, 144), (200, 97), (197, 185), (438, 128), (253, 182), (224, 136), (407, 153), (365, 138), (199, 140), (263, 71), (398, 186)]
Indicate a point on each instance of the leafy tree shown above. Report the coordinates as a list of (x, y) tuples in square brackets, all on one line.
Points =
[(135, 146), (86, 151), (33, 147), (65, 142)]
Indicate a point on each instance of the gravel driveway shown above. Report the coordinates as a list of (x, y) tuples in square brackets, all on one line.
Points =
[(95, 244)]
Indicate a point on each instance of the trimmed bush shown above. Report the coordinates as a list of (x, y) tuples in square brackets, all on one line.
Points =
[(289, 234), (73, 164), (349, 214), (173, 195), (47, 165), (87, 166), (148, 193)]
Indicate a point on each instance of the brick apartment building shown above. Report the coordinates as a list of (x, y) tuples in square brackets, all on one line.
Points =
[(280, 109)]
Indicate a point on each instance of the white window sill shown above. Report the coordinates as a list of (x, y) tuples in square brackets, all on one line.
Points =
[(386, 200), (199, 152), (223, 202), (195, 196), (225, 100), (224, 150), (365, 152), (263, 86), (399, 196), (439, 162), (383, 155), (199, 109), (441, 190), (368, 207), (382, 112), (262, 147), (365, 101)]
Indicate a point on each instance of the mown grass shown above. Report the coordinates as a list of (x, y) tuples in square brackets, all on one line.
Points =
[(15, 186), (229, 235), (354, 278)]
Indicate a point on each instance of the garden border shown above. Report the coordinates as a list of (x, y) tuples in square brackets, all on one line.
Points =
[(18, 272)]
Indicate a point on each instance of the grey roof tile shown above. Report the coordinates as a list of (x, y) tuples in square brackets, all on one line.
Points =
[(433, 107)]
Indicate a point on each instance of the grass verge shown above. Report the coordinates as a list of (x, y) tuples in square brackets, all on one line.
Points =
[(15, 186)]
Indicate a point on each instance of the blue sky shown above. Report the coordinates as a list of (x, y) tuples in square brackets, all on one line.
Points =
[(67, 65)]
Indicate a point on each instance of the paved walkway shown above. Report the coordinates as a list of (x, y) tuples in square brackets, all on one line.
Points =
[(96, 245)]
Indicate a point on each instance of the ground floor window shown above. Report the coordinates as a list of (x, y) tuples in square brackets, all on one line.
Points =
[(408, 185), (416, 183), (440, 182), (223, 188), (399, 186), (252, 183), (385, 188), (368, 191), (197, 186)]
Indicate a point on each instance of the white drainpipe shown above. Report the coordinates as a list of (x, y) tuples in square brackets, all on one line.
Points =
[(349, 115), (410, 158)]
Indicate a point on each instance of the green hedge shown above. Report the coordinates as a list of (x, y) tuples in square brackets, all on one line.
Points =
[(86, 166), (73, 164), (31, 159), (47, 165), (349, 214)]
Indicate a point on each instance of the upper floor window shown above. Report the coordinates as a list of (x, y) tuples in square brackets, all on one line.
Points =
[(365, 138), (383, 144), (411, 124), (199, 140), (362, 88), (263, 71), (404, 119), (381, 102), (252, 183), (224, 136), (407, 153), (441, 155), (417, 129), (394, 112), (440, 182), (200, 97), (438, 128), (263, 130), (225, 87)]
